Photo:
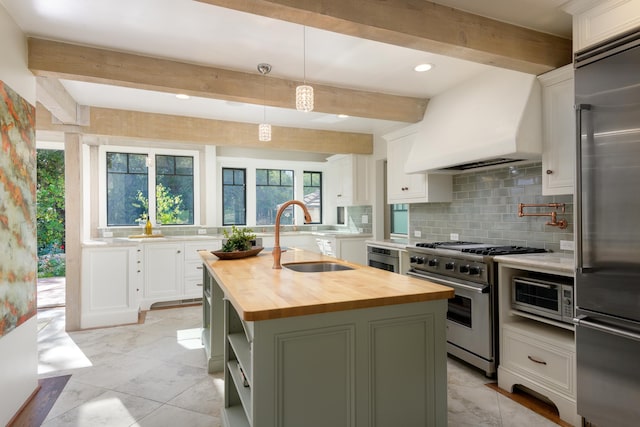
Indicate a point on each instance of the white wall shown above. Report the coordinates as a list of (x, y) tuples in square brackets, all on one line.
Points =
[(18, 349)]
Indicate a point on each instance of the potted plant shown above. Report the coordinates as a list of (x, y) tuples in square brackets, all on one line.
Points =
[(238, 240)]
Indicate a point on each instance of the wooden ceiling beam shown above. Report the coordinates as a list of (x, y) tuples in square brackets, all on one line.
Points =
[(55, 98), (67, 61), (164, 127), (421, 25)]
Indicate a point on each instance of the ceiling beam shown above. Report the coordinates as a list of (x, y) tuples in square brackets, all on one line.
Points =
[(67, 61), (164, 127), (55, 98), (421, 25)]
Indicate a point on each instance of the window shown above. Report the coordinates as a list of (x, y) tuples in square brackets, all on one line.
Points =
[(127, 188), (234, 198), (399, 218), (312, 195), (174, 190), (164, 189), (273, 187)]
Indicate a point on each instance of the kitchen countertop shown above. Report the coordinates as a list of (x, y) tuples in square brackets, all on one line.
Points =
[(561, 262), (390, 243), (259, 292), (125, 241)]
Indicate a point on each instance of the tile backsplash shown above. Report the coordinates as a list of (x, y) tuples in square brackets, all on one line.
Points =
[(485, 209)]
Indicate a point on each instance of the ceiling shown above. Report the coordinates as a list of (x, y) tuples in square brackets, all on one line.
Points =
[(199, 33)]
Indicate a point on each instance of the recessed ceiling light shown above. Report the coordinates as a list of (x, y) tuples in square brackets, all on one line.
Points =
[(422, 67), (343, 116), (182, 96)]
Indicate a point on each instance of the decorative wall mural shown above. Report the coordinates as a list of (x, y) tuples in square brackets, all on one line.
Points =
[(18, 255)]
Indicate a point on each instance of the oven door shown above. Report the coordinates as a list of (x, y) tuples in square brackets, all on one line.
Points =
[(468, 315), (383, 258)]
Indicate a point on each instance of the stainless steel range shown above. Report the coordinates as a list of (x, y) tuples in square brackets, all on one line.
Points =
[(468, 267)]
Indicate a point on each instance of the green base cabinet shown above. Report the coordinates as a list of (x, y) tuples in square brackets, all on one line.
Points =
[(381, 366)]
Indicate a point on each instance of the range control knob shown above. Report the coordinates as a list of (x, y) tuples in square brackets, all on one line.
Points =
[(413, 259), (449, 266), (420, 260), (433, 262), (474, 271), (464, 269)]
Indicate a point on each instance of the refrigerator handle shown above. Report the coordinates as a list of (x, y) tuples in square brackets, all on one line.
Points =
[(578, 186), (582, 321)]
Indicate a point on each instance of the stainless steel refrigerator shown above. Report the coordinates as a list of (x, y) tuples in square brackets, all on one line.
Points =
[(607, 287)]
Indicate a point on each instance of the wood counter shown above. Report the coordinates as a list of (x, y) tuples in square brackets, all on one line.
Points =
[(259, 292)]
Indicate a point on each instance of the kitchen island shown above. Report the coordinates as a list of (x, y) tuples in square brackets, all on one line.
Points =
[(358, 347)]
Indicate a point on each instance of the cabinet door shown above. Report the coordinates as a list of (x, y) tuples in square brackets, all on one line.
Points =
[(558, 155), (417, 187), (163, 265), (606, 19), (401, 186), (342, 171), (109, 282)]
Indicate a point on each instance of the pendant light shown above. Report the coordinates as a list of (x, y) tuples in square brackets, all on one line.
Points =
[(264, 129), (304, 92)]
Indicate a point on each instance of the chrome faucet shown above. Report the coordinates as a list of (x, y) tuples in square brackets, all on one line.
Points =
[(277, 252)]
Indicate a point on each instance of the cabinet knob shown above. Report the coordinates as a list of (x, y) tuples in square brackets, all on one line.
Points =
[(198, 284), (199, 268), (549, 171), (179, 252)]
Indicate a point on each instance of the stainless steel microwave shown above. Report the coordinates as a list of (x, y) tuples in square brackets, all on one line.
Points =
[(544, 297)]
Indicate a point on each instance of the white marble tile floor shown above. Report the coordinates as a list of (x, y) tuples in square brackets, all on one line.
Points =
[(154, 374)]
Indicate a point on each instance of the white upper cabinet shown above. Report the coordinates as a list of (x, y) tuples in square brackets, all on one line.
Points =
[(349, 180), (412, 188), (559, 131), (597, 20)]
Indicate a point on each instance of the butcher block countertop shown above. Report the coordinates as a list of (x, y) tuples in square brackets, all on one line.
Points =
[(259, 292)]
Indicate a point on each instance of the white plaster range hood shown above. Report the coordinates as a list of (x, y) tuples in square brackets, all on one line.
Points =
[(491, 120)]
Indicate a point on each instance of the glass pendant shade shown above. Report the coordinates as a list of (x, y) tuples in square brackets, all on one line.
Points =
[(304, 98), (264, 132)]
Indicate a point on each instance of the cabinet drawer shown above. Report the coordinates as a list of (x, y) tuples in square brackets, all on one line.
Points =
[(193, 269), (191, 249), (193, 287), (538, 360)]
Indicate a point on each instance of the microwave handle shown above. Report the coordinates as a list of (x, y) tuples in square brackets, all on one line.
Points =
[(538, 284)]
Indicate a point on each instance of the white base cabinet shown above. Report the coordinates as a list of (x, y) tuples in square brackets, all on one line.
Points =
[(352, 249), (173, 271), (536, 352), (110, 280)]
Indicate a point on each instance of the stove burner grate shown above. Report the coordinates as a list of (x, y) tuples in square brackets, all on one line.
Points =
[(504, 250)]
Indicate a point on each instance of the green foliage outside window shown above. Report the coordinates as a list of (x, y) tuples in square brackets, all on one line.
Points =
[(50, 213)]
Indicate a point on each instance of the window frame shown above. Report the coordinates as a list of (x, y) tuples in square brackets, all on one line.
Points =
[(222, 169), (314, 186), (268, 184), (391, 216), (151, 153)]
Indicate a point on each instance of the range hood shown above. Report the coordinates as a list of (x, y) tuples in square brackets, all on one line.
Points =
[(491, 120)]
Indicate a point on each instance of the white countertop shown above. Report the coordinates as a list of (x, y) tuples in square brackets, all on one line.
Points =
[(560, 262), (390, 243)]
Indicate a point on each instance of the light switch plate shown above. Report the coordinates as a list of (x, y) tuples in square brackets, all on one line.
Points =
[(107, 234), (365, 219), (454, 237), (566, 245), (202, 231), (417, 233)]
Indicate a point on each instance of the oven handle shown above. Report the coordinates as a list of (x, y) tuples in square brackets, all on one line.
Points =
[(482, 290)]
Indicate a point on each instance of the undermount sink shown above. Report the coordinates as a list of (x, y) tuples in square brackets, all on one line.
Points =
[(316, 267)]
